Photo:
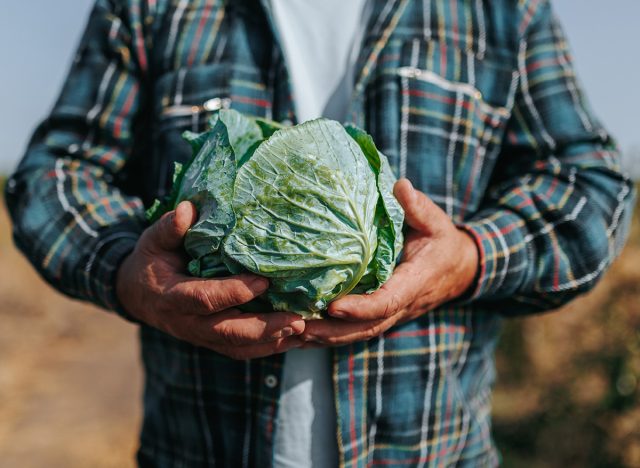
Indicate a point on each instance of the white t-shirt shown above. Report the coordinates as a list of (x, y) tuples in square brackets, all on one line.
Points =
[(320, 40)]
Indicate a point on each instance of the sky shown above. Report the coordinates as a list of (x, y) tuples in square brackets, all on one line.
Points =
[(38, 39)]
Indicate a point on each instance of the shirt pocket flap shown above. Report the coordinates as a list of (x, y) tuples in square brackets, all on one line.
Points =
[(454, 107)]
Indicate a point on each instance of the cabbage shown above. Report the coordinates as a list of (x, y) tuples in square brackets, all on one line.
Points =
[(310, 207)]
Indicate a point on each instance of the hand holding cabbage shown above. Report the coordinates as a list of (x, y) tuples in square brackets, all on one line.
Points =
[(309, 207), (439, 264), (153, 289)]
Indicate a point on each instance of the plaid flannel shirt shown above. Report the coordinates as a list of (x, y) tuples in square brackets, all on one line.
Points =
[(475, 101)]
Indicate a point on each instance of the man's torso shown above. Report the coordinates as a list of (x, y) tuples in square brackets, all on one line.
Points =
[(434, 85)]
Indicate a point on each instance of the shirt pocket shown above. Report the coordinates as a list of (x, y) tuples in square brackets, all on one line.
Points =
[(188, 98), (454, 107)]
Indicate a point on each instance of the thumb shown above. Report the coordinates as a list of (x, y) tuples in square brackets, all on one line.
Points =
[(420, 212), (168, 232)]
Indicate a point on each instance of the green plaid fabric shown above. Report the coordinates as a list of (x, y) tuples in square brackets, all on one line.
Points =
[(475, 101)]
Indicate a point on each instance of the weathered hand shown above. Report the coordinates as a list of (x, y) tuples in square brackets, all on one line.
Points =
[(152, 287), (439, 263)]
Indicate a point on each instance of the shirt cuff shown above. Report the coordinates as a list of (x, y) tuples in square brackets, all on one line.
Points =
[(502, 249), (102, 267)]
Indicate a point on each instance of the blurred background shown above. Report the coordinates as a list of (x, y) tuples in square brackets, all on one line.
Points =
[(568, 390)]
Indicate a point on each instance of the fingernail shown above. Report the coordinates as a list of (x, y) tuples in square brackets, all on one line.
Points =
[(259, 285)]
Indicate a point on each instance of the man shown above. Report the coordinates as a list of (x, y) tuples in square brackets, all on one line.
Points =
[(519, 205)]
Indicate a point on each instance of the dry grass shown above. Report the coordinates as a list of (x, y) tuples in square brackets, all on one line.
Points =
[(568, 392), (69, 375), (70, 381)]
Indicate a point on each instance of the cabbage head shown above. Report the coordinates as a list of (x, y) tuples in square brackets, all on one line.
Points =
[(310, 207)]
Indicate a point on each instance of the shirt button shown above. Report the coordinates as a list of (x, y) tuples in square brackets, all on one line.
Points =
[(271, 381), (11, 185)]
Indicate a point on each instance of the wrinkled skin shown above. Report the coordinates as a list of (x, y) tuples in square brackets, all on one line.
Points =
[(153, 287), (439, 264)]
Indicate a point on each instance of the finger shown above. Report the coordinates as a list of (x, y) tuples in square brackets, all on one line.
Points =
[(262, 349), (236, 328), (332, 332), (205, 296), (420, 212), (168, 232), (394, 296)]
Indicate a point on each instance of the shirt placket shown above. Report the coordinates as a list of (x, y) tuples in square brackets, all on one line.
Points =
[(264, 385)]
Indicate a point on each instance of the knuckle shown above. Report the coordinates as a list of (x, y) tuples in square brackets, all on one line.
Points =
[(370, 333), (374, 331), (229, 334), (239, 294), (386, 313), (225, 296), (203, 299), (392, 307)]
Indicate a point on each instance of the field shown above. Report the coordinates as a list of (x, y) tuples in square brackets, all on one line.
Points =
[(70, 381), (568, 392), (69, 375)]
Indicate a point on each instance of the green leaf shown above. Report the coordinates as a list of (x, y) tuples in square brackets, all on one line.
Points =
[(244, 133), (208, 183), (311, 207), (159, 208), (305, 205), (208, 266), (268, 127), (196, 140), (390, 215), (154, 212)]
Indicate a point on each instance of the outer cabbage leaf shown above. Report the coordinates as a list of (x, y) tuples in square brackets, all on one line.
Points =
[(197, 140), (305, 206), (310, 207), (244, 134), (208, 180), (208, 183), (161, 207), (268, 127), (389, 214)]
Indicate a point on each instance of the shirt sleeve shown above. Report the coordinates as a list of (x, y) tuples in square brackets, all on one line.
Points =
[(70, 218), (558, 207)]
